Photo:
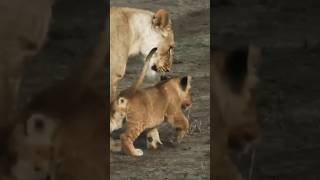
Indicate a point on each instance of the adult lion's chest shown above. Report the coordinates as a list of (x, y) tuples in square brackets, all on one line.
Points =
[(119, 44)]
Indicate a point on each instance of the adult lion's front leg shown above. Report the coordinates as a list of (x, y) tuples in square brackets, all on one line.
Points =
[(118, 63)]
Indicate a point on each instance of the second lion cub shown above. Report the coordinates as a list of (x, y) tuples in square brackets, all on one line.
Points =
[(147, 108)]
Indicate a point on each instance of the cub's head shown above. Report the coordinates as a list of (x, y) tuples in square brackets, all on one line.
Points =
[(118, 113), (160, 36), (182, 86), (34, 146), (234, 90)]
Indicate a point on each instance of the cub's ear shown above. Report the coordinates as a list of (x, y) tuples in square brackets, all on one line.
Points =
[(122, 101), (161, 20), (185, 83)]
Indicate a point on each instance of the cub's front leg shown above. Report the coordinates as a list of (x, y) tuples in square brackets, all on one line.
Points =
[(181, 123), (128, 137), (153, 139)]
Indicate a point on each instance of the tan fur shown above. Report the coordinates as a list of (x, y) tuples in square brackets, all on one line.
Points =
[(235, 116), (119, 107), (117, 115), (149, 107), (153, 139), (133, 32)]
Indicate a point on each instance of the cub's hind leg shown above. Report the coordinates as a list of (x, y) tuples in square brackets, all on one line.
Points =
[(115, 145), (128, 137), (153, 139), (181, 123)]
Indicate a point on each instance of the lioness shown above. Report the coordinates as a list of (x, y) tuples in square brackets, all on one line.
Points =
[(235, 120), (147, 108), (133, 32)]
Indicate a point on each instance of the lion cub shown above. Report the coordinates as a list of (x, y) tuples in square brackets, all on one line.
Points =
[(147, 108)]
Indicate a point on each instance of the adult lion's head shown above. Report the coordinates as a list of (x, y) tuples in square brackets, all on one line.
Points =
[(160, 35)]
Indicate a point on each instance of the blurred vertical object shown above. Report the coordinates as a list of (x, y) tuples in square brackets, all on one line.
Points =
[(23, 29)]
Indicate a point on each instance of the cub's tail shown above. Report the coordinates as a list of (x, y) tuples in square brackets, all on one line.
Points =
[(139, 81)]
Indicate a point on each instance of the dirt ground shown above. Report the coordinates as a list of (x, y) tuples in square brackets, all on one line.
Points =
[(191, 159), (288, 93)]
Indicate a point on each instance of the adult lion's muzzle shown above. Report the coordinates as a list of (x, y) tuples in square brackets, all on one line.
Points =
[(160, 69), (163, 61)]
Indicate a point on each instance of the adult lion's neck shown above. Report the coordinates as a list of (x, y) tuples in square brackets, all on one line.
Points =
[(140, 27)]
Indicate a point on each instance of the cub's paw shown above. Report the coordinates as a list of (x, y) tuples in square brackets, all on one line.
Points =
[(180, 135), (153, 139), (137, 152), (153, 144), (179, 139)]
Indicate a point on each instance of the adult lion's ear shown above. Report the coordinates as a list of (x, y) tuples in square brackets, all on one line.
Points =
[(161, 20)]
